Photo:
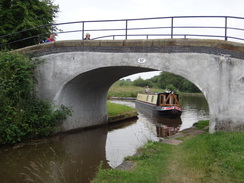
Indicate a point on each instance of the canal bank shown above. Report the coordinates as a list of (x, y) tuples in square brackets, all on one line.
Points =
[(175, 139), (122, 117), (119, 112), (190, 156)]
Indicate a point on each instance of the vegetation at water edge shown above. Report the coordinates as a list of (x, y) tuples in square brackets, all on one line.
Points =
[(23, 116), (116, 109), (201, 124)]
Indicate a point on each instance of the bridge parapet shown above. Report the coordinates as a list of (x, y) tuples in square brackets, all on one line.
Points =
[(148, 45)]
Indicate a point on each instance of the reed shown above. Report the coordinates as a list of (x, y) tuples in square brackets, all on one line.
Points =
[(48, 168)]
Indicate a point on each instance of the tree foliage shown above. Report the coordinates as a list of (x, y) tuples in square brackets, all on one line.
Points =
[(166, 79), (23, 116), (19, 15), (142, 83)]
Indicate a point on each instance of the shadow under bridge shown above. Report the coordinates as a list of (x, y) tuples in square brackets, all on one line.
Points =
[(86, 94)]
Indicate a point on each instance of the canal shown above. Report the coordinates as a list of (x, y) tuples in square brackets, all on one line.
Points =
[(76, 157)]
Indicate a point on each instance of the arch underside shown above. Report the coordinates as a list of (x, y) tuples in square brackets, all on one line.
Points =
[(86, 95)]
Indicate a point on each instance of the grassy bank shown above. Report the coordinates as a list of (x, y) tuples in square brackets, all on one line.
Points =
[(204, 158), (117, 109), (128, 91), (131, 91), (117, 112)]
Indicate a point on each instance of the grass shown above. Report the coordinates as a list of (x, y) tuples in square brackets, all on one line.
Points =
[(201, 124), (210, 158), (148, 167), (128, 91), (117, 109)]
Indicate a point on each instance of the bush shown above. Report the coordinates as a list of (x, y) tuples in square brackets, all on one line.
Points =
[(182, 84), (171, 87), (142, 83), (22, 115)]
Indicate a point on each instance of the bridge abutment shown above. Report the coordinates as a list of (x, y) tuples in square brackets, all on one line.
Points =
[(229, 113)]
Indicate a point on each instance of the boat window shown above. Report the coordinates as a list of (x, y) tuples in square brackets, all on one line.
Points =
[(147, 98), (152, 98)]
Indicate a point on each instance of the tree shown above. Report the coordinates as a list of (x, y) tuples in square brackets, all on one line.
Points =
[(142, 83), (19, 15), (154, 79), (166, 79)]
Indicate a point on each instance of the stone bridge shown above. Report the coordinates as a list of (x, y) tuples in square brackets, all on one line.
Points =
[(79, 74)]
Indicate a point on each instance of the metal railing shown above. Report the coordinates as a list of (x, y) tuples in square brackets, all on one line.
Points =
[(210, 27)]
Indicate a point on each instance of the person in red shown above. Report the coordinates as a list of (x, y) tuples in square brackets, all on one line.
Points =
[(50, 39)]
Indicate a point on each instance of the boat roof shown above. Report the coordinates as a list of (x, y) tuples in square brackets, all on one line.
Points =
[(156, 93)]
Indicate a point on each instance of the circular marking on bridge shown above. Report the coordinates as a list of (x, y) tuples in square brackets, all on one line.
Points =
[(141, 60)]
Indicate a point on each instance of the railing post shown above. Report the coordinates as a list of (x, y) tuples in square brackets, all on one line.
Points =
[(42, 36), (172, 26), (126, 27), (83, 30), (0, 44), (225, 28)]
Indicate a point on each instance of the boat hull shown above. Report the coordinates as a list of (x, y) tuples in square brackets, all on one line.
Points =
[(169, 111)]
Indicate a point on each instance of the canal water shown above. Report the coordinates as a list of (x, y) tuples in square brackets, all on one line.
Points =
[(76, 157)]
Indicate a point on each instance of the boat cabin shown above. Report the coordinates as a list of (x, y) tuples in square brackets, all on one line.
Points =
[(160, 99)]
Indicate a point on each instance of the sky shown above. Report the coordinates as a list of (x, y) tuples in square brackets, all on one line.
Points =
[(84, 10)]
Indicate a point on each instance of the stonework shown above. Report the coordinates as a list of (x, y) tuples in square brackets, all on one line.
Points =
[(79, 73)]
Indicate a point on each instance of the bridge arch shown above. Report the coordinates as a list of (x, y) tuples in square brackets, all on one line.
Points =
[(87, 92), (79, 73)]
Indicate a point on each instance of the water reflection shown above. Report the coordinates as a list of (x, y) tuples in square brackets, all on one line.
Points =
[(126, 139), (194, 109), (167, 126), (75, 157), (67, 158), (161, 126)]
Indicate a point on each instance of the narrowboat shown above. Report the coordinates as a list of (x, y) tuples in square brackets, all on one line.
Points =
[(166, 104)]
